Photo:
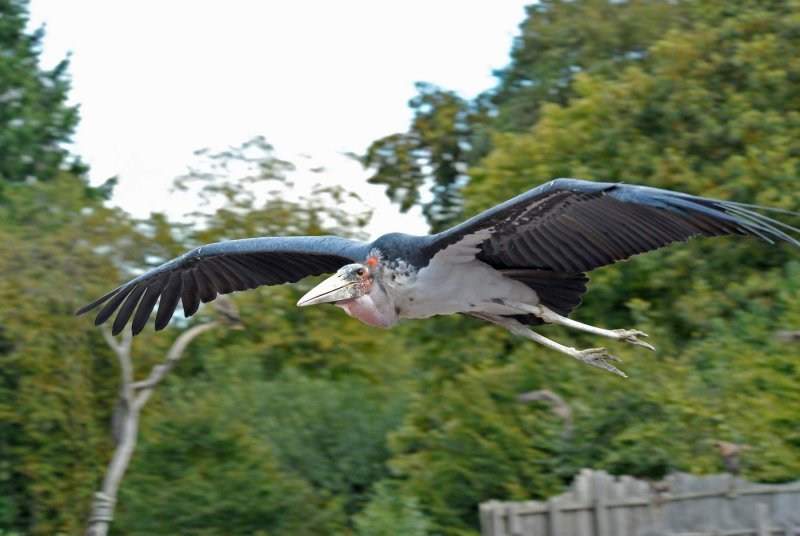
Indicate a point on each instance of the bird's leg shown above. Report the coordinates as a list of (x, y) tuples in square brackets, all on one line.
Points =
[(597, 357), (551, 317)]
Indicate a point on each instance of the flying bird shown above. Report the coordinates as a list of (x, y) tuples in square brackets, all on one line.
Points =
[(522, 263)]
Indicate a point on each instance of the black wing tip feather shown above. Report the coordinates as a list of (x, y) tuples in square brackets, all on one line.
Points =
[(98, 302), (743, 217), (736, 218)]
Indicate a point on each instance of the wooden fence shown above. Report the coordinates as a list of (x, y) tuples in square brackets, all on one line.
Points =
[(599, 504)]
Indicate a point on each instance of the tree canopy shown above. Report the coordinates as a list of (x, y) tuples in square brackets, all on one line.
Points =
[(36, 119)]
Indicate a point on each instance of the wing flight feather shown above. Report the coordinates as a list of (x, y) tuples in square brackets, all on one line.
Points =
[(222, 268), (575, 226)]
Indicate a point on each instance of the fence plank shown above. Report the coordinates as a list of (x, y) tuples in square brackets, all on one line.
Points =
[(484, 514), (530, 521), (553, 517), (515, 519), (614, 513), (599, 488), (491, 518), (540, 524), (762, 519), (582, 487)]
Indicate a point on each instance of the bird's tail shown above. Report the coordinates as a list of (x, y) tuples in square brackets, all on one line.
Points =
[(559, 291)]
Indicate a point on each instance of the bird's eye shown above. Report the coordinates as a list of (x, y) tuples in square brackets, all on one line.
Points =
[(361, 272)]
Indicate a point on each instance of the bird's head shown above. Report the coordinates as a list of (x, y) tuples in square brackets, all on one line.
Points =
[(348, 283), (356, 288)]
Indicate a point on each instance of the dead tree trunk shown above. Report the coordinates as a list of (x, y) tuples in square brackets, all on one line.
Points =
[(133, 396)]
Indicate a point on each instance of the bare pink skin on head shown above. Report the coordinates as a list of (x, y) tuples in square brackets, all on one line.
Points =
[(371, 307)]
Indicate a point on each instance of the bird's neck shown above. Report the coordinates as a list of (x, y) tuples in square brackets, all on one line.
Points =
[(375, 308)]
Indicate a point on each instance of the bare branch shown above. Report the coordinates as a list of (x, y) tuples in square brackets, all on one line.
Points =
[(160, 371), (110, 340), (560, 407), (228, 312), (123, 350), (787, 336)]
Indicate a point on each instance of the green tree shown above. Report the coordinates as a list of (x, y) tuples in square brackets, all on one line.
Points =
[(733, 381), (51, 224), (35, 119), (201, 470), (560, 39), (53, 369), (466, 440), (331, 432), (430, 156)]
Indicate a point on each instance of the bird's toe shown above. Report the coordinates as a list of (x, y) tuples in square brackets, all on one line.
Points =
[(631, 336), (599, 357)]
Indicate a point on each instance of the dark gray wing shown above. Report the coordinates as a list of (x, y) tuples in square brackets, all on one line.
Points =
[(575, 226), (221, 268)]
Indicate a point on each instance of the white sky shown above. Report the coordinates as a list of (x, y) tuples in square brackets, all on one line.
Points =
[(156, 80)]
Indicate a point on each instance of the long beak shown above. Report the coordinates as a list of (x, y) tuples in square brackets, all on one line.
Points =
[(333, 289)]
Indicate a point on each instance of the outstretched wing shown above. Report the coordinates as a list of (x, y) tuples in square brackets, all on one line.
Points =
[(221, 268), (575, 226)]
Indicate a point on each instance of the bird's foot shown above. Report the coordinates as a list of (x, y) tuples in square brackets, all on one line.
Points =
[(598, 357), (631, 336)]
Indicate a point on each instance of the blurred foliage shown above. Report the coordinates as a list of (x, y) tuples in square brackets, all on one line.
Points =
[(34, 115), (201, 470), (54, 374), (561, 39), (432, 154), (244, 191), (332, 432), (390, 512), (308, 422), (466, 440)]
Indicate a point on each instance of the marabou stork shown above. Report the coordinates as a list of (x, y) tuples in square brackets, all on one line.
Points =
[(518, 264)]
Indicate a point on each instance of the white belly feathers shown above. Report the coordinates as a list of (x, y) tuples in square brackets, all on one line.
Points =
[(473, 286), (456, 282)]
